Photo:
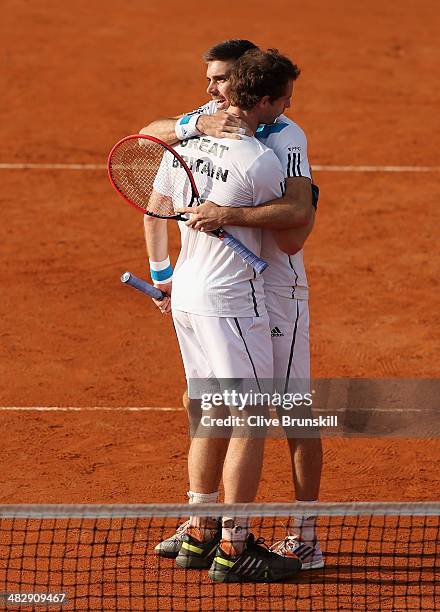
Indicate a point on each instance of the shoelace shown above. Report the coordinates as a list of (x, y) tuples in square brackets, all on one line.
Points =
[(286, 545), (263, 548), (289, 544), (181, 530)]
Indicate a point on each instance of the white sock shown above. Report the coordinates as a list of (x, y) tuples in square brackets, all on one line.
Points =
[(203, 522), (235, 530), (305, 525), (203, 498)]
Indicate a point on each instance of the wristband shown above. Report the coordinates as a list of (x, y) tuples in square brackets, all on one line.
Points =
[(161, 272), (186, 127)]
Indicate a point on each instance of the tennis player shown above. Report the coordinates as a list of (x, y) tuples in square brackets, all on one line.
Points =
[(219, 313), (286, 283)]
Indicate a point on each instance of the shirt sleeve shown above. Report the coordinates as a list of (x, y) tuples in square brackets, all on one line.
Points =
[(267, 178), (295, 155), (206, 109), (290, 146)]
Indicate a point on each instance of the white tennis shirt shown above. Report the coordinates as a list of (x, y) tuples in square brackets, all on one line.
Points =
[(286, 275), (209, 278)]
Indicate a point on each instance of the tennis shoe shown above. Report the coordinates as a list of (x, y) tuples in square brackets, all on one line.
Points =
[(255, 564), (310, 554), (195, 551), (170, 547)]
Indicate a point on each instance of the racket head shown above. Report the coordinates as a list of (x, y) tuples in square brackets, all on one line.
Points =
[(151, 176)]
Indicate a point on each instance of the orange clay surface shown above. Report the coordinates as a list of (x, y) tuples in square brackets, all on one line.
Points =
[(76, 78)]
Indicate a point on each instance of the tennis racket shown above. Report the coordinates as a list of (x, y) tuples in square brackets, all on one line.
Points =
[(151, 176), (134, 281)]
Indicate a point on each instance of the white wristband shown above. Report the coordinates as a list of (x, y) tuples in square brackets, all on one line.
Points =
[(186, 127), (160, 265), (161, 272), (163, 282)]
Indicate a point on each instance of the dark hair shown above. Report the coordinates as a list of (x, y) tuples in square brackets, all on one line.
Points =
[(260, 73), (228, 50)]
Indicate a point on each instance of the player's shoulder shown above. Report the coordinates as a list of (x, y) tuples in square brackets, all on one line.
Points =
[(210, 108), (290, 123), (248, 148), (283, 128), (256, 155)]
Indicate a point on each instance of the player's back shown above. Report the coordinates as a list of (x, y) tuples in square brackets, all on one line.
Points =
[(210, 279), (286, 273)]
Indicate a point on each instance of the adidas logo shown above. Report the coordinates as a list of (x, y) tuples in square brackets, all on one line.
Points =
[(276, 332)]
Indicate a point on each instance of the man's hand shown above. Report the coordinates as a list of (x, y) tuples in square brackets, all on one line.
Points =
[(223, 125), (165, 304), (206, 217)]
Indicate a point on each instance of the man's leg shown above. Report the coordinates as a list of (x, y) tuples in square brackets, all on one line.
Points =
[(241, 558), (306, 458), (205, 462), (291, 346), (289, 320), (244, 457), (204, 465), (206, 454), (241, 477), (242, 469), (239, 349)]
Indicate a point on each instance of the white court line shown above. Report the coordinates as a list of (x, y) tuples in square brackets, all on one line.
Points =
[(89, 408), (318, 168), (376, 168), (170, 409), (29, 166)]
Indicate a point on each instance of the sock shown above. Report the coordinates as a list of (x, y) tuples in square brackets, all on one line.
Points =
[(234, 534), (202, 527), (203, 498), (305, 525)]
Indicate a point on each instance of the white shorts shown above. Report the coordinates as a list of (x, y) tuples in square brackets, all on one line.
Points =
[(289, 324), (223, 348)]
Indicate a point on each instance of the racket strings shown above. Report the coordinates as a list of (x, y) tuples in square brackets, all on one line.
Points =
[(148, 175)]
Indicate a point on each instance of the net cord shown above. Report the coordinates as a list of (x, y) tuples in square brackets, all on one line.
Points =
[(54, 511)]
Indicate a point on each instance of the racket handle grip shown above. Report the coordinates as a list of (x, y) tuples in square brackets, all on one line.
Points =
[(259, 265), (134, 281)]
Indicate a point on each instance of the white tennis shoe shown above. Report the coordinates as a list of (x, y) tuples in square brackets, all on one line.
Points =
[(310, 554), (170, 547)]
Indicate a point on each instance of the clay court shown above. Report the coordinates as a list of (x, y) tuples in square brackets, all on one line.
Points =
[(82, 348)]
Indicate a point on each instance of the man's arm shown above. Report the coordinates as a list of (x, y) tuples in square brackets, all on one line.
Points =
[(291, 218), (164, 129), (292, 211), (219, 125), (292, 240), (156, 240)]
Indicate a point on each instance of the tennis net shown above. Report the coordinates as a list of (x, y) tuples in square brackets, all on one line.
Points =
[(378, 556)]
